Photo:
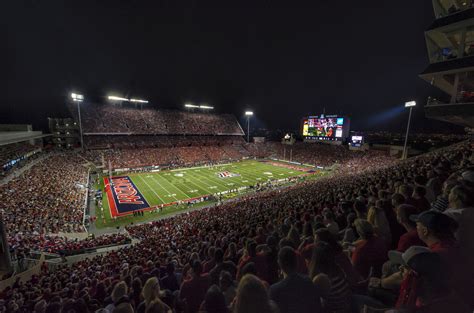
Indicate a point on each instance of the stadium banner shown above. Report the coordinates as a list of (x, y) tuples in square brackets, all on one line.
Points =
[(124, 197)]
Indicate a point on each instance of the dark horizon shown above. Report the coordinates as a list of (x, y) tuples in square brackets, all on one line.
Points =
[(283, 63)]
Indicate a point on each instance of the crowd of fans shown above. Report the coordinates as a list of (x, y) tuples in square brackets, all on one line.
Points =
[(46, 199), (122, 119), (395, 237)]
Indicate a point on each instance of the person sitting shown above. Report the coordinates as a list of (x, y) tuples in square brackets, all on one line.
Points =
[(436, 231), (295, 293), (252, 297), (151, 293), (410, 238), (214, 301), (227, 286), (370, 251), (221, 265), (330, 280), (193, 290), (425, 287)]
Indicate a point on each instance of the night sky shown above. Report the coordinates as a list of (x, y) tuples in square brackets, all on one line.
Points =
[(282, 59)]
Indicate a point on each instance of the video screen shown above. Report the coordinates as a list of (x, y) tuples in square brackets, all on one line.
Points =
[(357, 141), (325, 128)]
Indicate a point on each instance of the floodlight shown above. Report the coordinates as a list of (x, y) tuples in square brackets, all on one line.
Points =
[(77, 97), (117, 98), (138, 100), (206, 107), (410, 104), (248, 113), (188, 105)]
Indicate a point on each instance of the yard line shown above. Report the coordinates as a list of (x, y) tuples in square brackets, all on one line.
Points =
[(151, 190), (173, 185), (211, 180), (169, 193), (198, 186)]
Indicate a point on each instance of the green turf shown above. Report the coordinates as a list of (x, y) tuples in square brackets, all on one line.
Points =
[(181, 184)]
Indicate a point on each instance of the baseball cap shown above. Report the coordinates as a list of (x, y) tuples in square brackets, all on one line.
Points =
[(437, 221), (397, 257)]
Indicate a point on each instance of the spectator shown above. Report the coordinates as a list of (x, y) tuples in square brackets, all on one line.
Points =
[(214, 302), (193, 290), (330, 280), (295, 293), (410, 238), (221, 265), (370, 251), (151, 294), (252, 297)]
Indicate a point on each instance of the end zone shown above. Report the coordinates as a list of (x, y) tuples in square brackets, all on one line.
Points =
[(124, 197)]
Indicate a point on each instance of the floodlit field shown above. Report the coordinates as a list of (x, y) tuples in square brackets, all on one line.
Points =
[(174, 186)]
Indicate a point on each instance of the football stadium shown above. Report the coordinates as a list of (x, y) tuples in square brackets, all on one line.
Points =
[(237, 158)]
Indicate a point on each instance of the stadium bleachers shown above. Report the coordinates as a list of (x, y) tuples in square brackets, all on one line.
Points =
[(117, 119), (169, 249)]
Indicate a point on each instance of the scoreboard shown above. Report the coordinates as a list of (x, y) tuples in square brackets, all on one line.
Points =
[(325, 127)]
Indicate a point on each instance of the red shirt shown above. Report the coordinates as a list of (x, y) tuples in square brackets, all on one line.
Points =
[(258, 260), (460, 273), (369, 253), (193, 291), (409, 239)]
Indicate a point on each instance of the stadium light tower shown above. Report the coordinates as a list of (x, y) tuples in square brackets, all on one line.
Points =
[(248, 114), (78, 99), (409, 104)]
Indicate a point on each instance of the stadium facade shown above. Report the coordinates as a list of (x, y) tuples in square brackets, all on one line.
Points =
[(450, 45)]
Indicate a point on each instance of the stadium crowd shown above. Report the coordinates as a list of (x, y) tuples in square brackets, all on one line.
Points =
[(47, 198), (123, 119), (398, 236)]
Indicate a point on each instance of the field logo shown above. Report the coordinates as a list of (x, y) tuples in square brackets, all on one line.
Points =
[(227, 174), (125, 191), (124, 196)]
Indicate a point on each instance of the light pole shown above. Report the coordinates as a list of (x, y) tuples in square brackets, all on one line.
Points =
[(410, 105), (248, 114), (78, 99)]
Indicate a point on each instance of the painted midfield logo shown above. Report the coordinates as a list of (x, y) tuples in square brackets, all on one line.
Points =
[(227, 174)]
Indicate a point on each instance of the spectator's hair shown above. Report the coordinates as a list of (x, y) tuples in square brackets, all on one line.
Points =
[(156, 306), (197, 267), (398, 198), (285, 242), (225, 277), (120, 291), (214, 301), (251, 247), (287, 259), (323, 261), (151, 289), (326, 236), (404, 211), (249, 268), (252, 297), (364, 228), (360, 208), (461, 195), (219, 255), (420, 191)]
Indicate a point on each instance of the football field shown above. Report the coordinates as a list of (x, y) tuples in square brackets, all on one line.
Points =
[(166, 192)]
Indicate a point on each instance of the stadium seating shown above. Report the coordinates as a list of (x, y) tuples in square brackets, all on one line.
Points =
[(116, 119), (168, 249)]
